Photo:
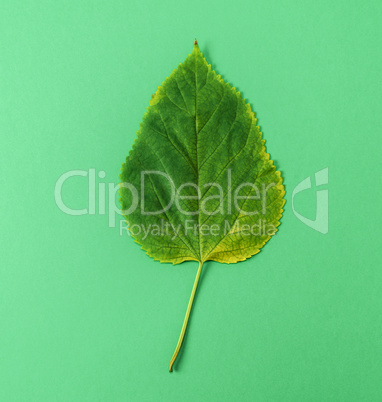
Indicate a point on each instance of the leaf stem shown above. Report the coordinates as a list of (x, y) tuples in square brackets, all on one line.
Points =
[(184, 327)]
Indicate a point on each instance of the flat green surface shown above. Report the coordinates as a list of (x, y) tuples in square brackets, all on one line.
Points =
[(85, 315)]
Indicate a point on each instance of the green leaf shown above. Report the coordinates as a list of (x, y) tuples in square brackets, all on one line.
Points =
[(198, 183)]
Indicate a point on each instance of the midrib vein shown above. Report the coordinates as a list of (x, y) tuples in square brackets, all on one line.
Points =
[(197, 157)]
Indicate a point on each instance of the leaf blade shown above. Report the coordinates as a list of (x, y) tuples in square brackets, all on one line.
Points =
[(196, 129)]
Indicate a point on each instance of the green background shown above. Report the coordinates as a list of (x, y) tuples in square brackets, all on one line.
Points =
[(85, 315)]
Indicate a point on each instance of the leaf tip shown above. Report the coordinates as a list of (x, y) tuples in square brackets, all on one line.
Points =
[(195, 42)]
